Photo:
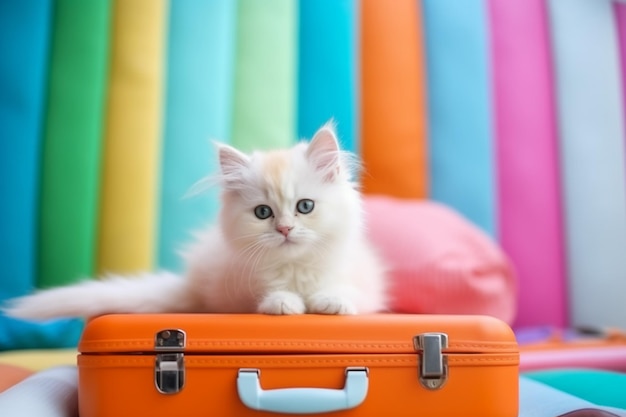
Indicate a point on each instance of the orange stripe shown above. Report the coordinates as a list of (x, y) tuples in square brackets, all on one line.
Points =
[(393, 122)]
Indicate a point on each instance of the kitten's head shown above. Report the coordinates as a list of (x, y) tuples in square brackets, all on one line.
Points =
[(289, 203)]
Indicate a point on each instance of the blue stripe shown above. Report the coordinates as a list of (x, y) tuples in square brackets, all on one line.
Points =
[(199, 106), (462, 171), (18, 334), (24, 42), (327, 84)]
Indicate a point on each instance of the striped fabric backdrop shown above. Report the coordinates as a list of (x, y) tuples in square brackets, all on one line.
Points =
[(510, 111)]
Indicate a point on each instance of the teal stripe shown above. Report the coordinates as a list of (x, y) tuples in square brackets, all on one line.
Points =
[(265, 71), (605, 388), (199, 108), (18, 334), (590, 114), (538, 399), (327, 83), (24, 42), (462, 171)]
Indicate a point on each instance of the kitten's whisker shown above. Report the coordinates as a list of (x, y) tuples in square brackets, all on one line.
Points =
[(247, 236), (255, 259), (320, 249), (251, 255), (242, 260)]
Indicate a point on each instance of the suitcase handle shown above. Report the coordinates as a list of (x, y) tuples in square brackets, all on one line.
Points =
[(302, 400)]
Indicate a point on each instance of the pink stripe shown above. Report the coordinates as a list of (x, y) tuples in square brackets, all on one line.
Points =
[(528, 180), (608, 358), (620, 13)]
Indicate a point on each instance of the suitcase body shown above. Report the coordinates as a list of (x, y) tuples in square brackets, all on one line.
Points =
[(255, 365)]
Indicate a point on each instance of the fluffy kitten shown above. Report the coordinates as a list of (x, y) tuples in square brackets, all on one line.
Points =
[(289, 240)]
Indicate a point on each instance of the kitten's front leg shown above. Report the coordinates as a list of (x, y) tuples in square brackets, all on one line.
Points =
[(282, 302), (330, 303)]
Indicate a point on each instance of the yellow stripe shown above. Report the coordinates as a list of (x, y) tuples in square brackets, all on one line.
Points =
[(132, 141), (37, 360)]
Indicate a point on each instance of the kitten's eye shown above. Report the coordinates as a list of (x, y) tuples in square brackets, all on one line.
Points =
[(305, 206), (263, 212)]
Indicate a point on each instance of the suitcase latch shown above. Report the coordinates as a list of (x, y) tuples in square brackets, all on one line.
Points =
[(169, 368), (433, 370)]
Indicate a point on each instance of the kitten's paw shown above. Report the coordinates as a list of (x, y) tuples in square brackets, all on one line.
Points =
[(282, 302), (331, 304)]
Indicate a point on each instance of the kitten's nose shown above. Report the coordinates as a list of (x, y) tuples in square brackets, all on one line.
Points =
[(284, 229)]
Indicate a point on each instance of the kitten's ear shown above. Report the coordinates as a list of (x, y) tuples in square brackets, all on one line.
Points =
[(323, 152), (232, 164)]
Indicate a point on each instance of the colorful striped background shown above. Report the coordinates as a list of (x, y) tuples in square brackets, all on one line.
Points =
[(510, 111)]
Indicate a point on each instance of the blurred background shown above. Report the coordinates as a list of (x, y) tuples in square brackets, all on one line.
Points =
[(509, 111)]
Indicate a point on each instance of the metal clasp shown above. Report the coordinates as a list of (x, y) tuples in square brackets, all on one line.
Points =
[(169, 368), (433, 371)]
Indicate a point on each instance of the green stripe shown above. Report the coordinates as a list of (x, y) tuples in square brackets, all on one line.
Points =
[(264, 91), (73, 137)]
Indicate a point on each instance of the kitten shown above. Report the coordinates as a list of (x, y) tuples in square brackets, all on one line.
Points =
[(289, 240)]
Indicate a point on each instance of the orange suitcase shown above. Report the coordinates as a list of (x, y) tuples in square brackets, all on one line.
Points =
[(198, 365)]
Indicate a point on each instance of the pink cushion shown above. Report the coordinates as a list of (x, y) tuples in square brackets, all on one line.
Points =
[(439, 262)]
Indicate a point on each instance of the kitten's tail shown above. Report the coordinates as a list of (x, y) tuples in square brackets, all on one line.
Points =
[(150, 293)]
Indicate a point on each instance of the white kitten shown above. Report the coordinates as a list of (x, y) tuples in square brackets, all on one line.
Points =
[(289, 240)]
